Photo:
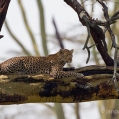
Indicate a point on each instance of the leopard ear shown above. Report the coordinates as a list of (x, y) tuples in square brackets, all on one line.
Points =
[(72, 50), (61, 51)]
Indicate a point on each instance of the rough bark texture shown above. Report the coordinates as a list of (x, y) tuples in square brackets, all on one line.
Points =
[(41, 88)]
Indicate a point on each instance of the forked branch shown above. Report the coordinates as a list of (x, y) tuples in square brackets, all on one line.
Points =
[(96, 32)]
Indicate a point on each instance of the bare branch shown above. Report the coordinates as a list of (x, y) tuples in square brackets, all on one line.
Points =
[(96, 32), (106, 15), (105, 10), (58, 35)]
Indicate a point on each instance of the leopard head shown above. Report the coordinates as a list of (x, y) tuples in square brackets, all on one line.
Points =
[(65, 55)]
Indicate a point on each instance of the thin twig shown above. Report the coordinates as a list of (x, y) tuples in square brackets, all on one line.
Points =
[(106, 15), (57, 34), (115, 69), (88, 49), (113, 79), (114, 45), (88, 30)]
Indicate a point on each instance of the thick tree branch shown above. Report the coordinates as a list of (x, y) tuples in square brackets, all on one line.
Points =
[(42, 88)]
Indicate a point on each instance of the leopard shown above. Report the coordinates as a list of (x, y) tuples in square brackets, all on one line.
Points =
[(51, 65)]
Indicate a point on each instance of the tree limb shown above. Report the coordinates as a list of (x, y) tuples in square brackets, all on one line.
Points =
[(17, 89)]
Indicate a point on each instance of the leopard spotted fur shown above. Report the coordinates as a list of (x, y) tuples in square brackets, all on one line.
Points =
[(52, 65)]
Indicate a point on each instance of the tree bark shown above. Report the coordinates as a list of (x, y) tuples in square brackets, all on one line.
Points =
[(17, 89)]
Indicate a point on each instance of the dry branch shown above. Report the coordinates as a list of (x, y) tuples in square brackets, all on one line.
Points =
[(58, 34), (96, 32), (3, 11), (17, 89)]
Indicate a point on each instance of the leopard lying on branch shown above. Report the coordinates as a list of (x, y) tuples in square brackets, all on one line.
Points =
[(52, 65)]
